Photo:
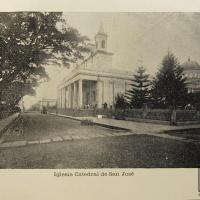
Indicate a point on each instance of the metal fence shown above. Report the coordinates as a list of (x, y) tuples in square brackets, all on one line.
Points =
[(187, 115)]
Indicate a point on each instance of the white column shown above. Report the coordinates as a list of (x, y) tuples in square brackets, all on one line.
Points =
[(66, 97), (99, 94), (69, 96), (63, 97), (58, 98), (80, 93), (75, 95)]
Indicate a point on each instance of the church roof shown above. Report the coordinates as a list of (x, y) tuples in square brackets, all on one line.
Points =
[(101, 31), (95, 53), (191, 65)]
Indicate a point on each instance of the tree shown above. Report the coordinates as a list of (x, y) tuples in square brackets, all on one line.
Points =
[(29, 41), (169, 86), (139, 93), (120, 102), (193, 101)]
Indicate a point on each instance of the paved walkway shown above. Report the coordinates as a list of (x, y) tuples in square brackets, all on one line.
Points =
[(135, 126), (157, 130)]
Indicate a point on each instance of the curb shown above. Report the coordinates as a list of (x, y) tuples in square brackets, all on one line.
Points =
[(111, 127), (65, 116), (120, 128), (150, 121), (23, 143), (10, 124), (180, 130), (95, 123)]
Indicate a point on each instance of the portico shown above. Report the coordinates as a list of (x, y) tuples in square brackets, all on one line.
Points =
[(90, 88), (82, 93)]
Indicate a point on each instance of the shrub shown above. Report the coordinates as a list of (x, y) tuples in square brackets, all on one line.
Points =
[(87, 122)]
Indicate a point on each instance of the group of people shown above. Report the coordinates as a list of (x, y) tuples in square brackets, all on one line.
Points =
[(90, 106), (94, 106), (44, 110)]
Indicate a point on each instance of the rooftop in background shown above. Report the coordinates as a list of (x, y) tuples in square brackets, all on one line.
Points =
[(191, 65)]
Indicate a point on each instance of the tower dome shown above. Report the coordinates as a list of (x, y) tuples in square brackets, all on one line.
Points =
[(192, 73), (190, 65)]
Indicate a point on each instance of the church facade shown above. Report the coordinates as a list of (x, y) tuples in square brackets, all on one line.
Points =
[(94, 81)]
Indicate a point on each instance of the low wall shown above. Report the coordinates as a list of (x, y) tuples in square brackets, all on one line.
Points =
[(187, 115), (74, 112), (164, 115), (154, 114)]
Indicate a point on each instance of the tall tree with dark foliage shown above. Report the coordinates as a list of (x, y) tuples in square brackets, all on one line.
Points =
[(139, 94), (29, 41), (169, 86)]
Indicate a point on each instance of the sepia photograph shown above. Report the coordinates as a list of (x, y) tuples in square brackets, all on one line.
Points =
[(87, 90)]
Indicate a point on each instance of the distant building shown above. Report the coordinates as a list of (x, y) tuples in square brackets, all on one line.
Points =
[(35, 107), (21, 104), (94, 81), (48, 103), (192, 73)]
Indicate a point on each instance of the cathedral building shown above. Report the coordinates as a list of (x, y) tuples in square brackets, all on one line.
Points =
[(94, 82), (192, 73)]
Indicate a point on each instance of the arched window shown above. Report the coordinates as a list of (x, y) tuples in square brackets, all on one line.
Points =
[(103, 44)]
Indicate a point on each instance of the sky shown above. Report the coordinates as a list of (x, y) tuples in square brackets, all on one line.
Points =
[(134, 38)]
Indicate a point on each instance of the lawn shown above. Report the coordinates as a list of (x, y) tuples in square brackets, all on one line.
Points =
[(34, 126), (131, 151), (188, 134), (108, 152)]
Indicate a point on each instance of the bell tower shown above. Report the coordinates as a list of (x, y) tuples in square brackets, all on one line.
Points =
[(101, 39)]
